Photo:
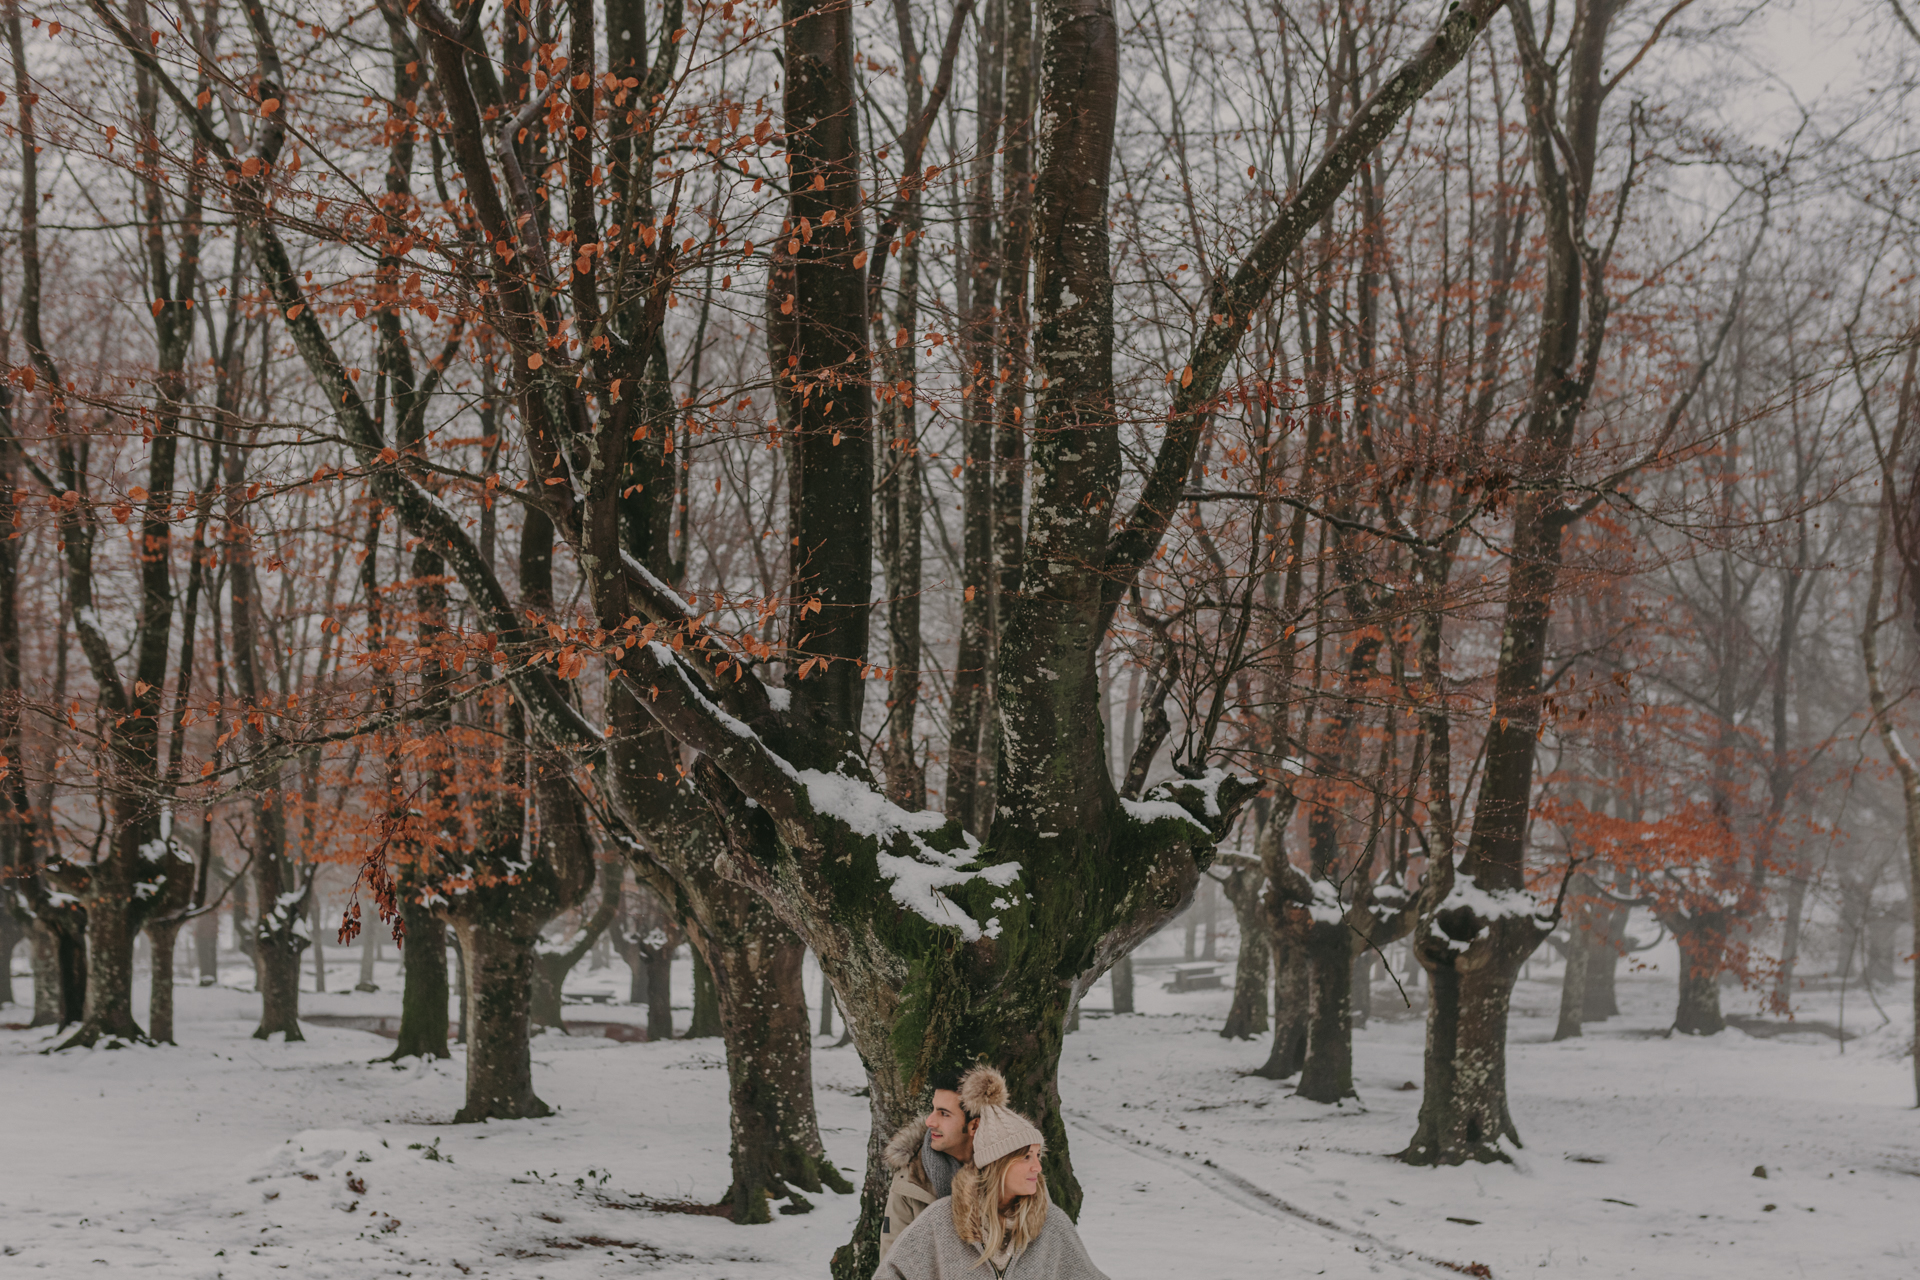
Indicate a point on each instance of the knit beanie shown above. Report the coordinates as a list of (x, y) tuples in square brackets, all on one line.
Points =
[(1002, 1131)]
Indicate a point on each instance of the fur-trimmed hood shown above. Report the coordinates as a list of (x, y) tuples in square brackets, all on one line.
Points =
[(903, 1149)]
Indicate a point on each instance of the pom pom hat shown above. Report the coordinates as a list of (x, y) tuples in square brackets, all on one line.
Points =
[(983, 1092)]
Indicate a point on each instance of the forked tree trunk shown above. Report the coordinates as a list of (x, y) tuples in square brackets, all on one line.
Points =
[(499, 1052), (107, 1010), (424, 990), (1327, 1073), (1463, 1109)]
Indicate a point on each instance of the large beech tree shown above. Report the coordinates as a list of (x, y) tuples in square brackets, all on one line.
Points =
[(942, 945)]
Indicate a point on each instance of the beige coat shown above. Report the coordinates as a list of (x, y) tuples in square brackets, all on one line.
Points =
[(933, 1250), (909, 1192)]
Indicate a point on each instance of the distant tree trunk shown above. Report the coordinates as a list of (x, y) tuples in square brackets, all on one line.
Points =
[(660, 995), (1361, 999), (1248, 1015), (550, 968), (1292, 987), (460, 986), (636, 979), (206, 947), (1573, 984), (1603, 964), (1210, 918), (1703, 941), (423, 989), (1581, 944), (12, 934), (367, 950), (706, 1005), (319, 950), (826, 1006), (1790, 940), (1122, 976)]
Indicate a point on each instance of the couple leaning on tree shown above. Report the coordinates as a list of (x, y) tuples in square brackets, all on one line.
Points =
[(967, 1197)]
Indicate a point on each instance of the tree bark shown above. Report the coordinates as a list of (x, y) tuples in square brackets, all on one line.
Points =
[(1248, 1015), (1466, 1116), (1327, 1074), (1581, 944), (1292, 1001), (1702, 942), (705, 1022), (424, 990), (499, 964)]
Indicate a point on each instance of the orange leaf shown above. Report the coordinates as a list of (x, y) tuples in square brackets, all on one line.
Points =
[(268, 107), (535, 360), (1186, 376), (293, 312)]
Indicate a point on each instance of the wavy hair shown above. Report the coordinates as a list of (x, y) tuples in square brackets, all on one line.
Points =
[(976, 1208)]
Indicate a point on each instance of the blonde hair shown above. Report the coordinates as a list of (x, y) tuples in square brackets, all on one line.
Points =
[(976, 1208)]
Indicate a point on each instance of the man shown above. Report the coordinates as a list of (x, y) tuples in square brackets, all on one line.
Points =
[(924, 1156)]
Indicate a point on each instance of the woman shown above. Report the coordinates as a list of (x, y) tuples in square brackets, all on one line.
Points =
[(998, 1224)]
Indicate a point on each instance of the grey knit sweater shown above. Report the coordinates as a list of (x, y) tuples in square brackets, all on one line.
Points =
[(931, 1249)]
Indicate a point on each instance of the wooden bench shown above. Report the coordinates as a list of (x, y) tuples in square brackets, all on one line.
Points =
[(1195, 977)]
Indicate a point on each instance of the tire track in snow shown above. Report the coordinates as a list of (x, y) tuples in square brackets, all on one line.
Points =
[(1252, 1196)]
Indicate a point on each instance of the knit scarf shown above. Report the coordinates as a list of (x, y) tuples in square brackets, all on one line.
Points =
[(938, 1166)]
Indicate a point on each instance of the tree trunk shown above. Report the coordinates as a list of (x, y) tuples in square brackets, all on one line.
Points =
[(1702, 940), (499, 966), (50, 968), (315, 942), (1603, 967), (1463, 1111), (1292, 988), (706, 1004), (12, 934), (763, 1014), (636, 977), (1248, 1015), (1582, 942), (1122, 979), (107, 1011), (1790, 940), (367, 952), (826, 1006), (206, 948), (1327, 1074), (423, 991), (1360, 1000), (1574, 982), (276, 968), (162, 934), (660, 995), (460, 986)]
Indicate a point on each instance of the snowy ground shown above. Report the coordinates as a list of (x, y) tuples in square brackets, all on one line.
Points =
[(227, 1157)]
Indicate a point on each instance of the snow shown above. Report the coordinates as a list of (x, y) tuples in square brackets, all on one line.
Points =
[(229, 1159), (915, 881)]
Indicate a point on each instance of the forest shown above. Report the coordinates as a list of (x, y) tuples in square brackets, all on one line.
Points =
[(1331, 587)]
